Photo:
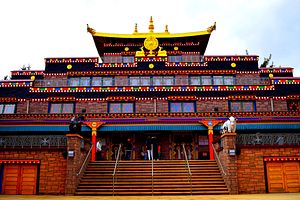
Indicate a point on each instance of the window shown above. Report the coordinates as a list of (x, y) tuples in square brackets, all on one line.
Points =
[(7, 108), (182, 107), (242, 106), (190, 58), (175, 58), (121, 107), (103, 81), (128, 59), (79, 81), (61, 108), (112, 59), (211, 80), (163, 80)]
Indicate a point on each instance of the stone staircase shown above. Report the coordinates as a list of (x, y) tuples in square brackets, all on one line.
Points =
[(135, 178)]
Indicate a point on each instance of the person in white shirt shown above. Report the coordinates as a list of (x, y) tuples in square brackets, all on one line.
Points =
[(99, 149)]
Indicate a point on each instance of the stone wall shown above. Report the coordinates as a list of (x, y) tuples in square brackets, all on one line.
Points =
[(52, 176), (251, 172)]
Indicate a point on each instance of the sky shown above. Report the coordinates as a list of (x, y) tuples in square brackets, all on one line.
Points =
[(32, 30)]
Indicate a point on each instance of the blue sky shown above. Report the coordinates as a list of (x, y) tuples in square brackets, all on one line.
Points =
[(32, 30)]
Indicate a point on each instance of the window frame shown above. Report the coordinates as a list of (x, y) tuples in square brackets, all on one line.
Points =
[(182, 106), (61, 107), (242, 105), (4, 106), (121, 107)]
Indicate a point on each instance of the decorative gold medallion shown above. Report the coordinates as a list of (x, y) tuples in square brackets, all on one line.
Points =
[(271, 75), (233, 64), (175, 48), (151, 66), (126, 49), (151, 43), (32, 78), (69, 66)]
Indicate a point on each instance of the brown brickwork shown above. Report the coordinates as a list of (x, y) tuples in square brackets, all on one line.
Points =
[(144, 106), (251, 173), (74, 164), (162, 106), (91, 107), (209, 105), (181, 80), (38, 107), (52, 175), (121, 80), (280, 105), (263, 105), (229, 162), (21, 107)]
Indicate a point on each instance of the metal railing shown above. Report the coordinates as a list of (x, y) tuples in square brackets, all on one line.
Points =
[(152, 166), (33, 141), (218, 161), (268, 139), (187, 166), (115, 168), (85, 160)]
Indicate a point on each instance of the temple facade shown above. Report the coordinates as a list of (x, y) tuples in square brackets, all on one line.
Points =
[(150, 85)]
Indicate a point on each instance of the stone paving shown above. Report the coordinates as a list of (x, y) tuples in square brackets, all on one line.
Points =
[(279, 196)]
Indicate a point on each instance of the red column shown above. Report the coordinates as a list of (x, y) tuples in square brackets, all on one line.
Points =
[(210, 142), (94, 126), (94, 141)]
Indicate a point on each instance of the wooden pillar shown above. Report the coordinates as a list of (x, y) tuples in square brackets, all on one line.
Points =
[(94, 126), (210, 125)]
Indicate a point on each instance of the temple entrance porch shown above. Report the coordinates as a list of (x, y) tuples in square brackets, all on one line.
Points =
[(167, 145)]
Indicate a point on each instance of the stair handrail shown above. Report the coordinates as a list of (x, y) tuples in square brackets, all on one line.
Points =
[(187, 165), (116, 166), (218, 161), (152, 166), (85, 160)]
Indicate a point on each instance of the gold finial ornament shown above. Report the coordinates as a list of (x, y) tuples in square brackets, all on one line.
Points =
[(167, 29), (140, 53), (151, 25), (212, 28), (151, 43), (135, 28), (90, 30), (161, 52)]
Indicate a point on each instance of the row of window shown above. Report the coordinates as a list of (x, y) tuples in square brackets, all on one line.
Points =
[(129, 107), (130, 59), (151, 80)]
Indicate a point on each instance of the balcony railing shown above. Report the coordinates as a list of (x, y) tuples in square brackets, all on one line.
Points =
[(182, 81), (258, 139), (34, 141)]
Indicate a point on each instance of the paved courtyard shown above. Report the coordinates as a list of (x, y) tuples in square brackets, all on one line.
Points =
[(280, 196)]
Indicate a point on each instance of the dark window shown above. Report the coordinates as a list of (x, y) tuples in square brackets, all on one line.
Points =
[(242, 106), (126, 107), (61, 108), (182, 107)]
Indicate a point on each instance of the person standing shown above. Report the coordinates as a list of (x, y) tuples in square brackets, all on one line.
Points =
[(99, 149), (128, 149), (148, 146)]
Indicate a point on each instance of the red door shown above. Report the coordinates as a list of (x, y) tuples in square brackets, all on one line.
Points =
[(19, 179)]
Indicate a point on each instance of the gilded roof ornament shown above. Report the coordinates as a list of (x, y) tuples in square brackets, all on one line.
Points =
[(90, 30), (212, 28), (167, 29), (151, 25), (135, 28)]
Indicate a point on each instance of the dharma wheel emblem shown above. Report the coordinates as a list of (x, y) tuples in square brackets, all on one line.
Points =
[(151, 43)]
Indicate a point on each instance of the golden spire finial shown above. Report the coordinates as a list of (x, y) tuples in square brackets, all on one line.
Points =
[(90, 30), (212, 28), (151, 26), (167, 29), (135, 28)]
